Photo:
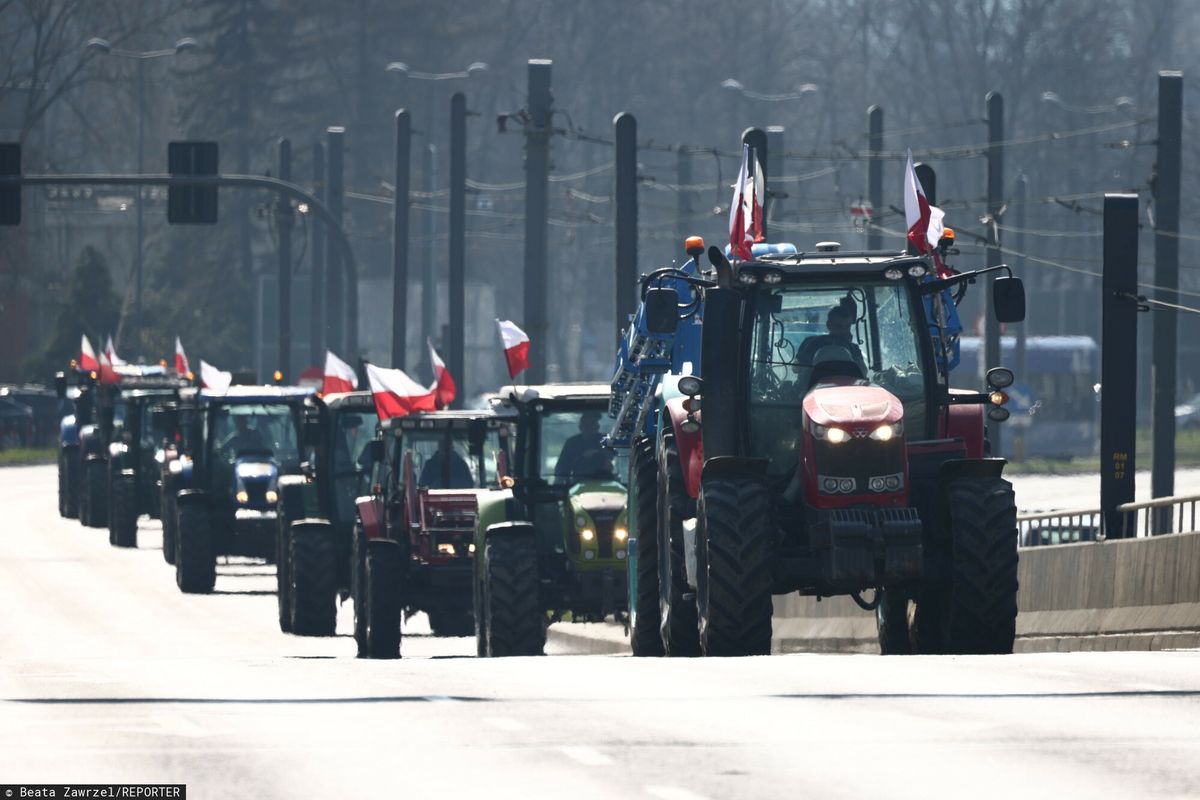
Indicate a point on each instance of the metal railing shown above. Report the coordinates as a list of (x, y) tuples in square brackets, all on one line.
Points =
[(1138, 520)]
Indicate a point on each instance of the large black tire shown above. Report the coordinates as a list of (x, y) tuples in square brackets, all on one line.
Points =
[(385, 564), (68, 482), (645, 637), (95, 486), (123, 516), (735, 546), (358, 587), (677, 602), (974, 610), (313, 579), (515, 622), (283, 574), (195, 559), (451, 622), (892, 623), (170, 522), (477, 603)]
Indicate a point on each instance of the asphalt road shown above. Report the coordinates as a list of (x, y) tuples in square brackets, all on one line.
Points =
[(108, 674)]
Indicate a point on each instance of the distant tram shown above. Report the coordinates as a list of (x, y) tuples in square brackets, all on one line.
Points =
[(1061, 373)]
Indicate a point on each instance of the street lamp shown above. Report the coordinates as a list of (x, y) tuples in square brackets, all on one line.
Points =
[(1117, 104), (141, 57), (735, 85), (428, 294)]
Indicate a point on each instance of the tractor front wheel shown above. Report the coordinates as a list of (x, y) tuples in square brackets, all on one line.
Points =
[(123, 516), (68, 482), (195, 558), (385, 563), (892, 623), (312, 578), (680, 627), (95, 480), (646, 637), (168, 515), (735, 545), (283, 577), (515, 624), (451, 622)]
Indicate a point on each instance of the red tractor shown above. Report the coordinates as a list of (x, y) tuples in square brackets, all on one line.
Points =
[(831, 458)]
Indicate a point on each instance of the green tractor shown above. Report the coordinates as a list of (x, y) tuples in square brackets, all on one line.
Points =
[(316, 513), (553, 543)]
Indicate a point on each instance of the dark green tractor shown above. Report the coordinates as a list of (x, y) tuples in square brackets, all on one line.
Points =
[(554, 544)]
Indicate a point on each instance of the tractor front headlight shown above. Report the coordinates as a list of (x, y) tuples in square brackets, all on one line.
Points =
[(272, 496), (243, 496), (587, 534), (885, 433), (620, 534), (831, 435)]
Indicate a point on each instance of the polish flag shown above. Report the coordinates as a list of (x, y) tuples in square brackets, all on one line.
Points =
[(87, 356), (924, 222), (397, 395), (181, 363), (339, 376), (739, 221), (213, 378), (110, 351), (443, 381), (516, 347)]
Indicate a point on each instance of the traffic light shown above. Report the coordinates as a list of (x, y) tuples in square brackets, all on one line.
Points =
[(10, 195), (192, 205)]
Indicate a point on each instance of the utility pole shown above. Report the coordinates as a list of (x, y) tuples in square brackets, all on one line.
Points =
[(141, 146), (626, 218), (537, 174), (283, 223), (1118, 360), (400, 203), (1022, 364), (335, 283), (683, 197), (995, 193), (1166, 276), (874, 174), (428, 274), (316, 310), (457, 231), (776, 193)]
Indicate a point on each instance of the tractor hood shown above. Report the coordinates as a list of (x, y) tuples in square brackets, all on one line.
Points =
[(852, 404), (598, 496)]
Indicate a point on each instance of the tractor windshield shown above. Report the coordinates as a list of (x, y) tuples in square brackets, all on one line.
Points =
[(268, 429), (570, 451), (442, 458), (804, 334), (352, 430)]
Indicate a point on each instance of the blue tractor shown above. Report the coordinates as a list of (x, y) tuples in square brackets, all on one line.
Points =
[(227, 485), (831, 457)]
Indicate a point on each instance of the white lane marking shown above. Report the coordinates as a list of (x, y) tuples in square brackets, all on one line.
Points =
[(506, 724), (673, 793), (441, 698), (587, 756)]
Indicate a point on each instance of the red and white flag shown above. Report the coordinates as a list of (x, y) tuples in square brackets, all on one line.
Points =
[(443, 382), (213, 378), (110, 351), (746, 208), (397, 395), (181, 362), (924, 222), (87, 356), (516, 347), (339, 376)]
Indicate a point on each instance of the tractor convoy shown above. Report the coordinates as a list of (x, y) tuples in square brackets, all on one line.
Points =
[(783, 422)]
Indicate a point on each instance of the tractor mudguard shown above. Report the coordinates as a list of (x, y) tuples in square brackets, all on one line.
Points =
[(690, 446), (68, 431), (89, 442), (966, 422), (972, 468), (734, 467), (370, 512), (508, 529), (292, 491), (191, 497)]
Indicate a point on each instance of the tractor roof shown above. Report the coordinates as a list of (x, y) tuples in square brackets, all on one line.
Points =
[(441, 420), (833, 264), (163, 391), (349, 401), (256, 394), (553, 393)]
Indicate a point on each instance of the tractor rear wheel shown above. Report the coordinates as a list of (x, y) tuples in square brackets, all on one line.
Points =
[(68, 482), (680, 627), (734, 548), (312, 579), (358, 587), (515, 624), (646, 637), (385, 563), (195, 559), (974, 609), (169, 522), (95, 480), (123, 516), (451, 622)]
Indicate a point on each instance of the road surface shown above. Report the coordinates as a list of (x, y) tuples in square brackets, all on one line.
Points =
[(108, 674)]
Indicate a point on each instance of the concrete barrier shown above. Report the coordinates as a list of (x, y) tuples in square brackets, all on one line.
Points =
[(1132, 594)]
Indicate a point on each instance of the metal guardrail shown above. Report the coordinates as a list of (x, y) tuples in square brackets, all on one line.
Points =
[(1065, 526)]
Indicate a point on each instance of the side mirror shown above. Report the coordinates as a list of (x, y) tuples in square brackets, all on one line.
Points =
[(312, 431), (1008, 299), (375, 451), (60, 385), (662, 310)]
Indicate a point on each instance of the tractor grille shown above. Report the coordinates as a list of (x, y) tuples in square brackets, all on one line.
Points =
[(605, 524)]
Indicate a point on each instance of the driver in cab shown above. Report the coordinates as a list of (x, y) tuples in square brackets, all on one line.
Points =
[(243, 439), (832, 353)]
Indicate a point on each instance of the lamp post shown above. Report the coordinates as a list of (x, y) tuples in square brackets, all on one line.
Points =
[(735, 85), (140, 57), (428, 292)]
